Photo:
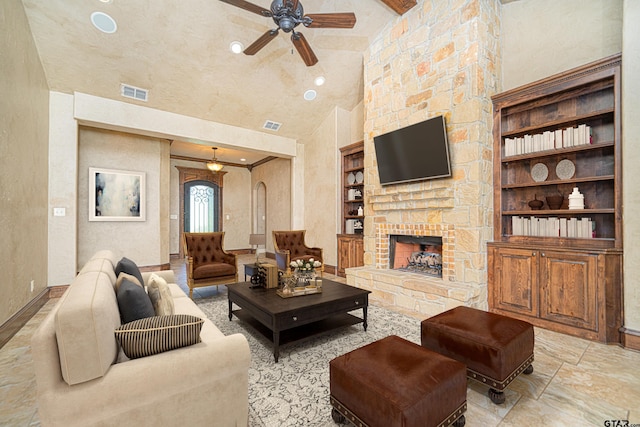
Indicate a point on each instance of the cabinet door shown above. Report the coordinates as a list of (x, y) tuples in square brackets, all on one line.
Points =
[(516, 286), (358, 253), (568, 286), (343, 255)]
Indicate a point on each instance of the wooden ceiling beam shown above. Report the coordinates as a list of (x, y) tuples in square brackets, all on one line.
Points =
[(400, 6)]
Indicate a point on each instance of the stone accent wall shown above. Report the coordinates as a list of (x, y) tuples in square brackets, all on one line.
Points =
[(440, 58)]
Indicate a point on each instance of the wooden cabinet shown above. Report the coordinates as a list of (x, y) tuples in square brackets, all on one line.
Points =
[(350, 252), (559, 266), (350, 244)]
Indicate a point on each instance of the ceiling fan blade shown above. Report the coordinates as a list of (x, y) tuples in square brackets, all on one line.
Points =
[(261, 42), (249, 6), (332, 20), (304, 49), (294, 5)]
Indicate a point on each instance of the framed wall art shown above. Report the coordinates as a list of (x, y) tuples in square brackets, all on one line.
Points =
[(116, 195)]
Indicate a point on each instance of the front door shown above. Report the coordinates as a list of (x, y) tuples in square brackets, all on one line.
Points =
[(201, 207)]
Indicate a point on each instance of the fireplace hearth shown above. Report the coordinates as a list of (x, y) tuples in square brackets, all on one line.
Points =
[(416, 254)]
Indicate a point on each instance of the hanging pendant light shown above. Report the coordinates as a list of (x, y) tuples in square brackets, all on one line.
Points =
[(213, 165)]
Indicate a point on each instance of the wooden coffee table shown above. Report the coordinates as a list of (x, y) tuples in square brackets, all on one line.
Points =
[(285, 320)]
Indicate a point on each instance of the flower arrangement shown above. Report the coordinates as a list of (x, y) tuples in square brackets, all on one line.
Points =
[(302, 266)]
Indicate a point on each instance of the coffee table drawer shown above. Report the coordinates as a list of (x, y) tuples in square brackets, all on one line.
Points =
[(312, 314)]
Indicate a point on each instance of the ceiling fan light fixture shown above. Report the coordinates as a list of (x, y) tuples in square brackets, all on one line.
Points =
[(213, 165), (236, 47), (310, 95)]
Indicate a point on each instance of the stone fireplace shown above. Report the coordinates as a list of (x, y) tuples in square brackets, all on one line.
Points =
[(432, 61)]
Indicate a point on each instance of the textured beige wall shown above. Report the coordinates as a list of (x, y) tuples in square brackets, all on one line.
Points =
[(321, 179), (24, 127), (545, 37), (276, 175), (631, 158), (141, 241)]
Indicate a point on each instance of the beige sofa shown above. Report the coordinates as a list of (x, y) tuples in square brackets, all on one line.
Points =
[(84, 378)]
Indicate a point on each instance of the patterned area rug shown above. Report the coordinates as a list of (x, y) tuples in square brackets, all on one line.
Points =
[(295, 391)]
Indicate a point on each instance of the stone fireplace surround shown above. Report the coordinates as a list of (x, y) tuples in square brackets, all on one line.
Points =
[(416, 292)]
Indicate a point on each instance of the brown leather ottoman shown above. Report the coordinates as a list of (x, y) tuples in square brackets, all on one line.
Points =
[(495, 348), (394, 382)]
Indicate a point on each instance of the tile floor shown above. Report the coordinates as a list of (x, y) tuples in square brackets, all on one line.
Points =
[(575, 382)]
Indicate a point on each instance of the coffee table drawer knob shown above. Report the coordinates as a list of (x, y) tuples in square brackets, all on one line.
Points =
[(357, 302), (295, 319)]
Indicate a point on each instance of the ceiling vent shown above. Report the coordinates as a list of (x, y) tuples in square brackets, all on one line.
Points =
[(133, 92), (271, 125)]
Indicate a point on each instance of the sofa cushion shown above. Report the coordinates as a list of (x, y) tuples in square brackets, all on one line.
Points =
[(213, 269), (85, 319), (133, 302), (157, 334), (124, 276), (160, 295), (127, 266)]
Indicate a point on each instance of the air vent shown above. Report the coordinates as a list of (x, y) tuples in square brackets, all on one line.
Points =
[(270, 125), (133, 92)]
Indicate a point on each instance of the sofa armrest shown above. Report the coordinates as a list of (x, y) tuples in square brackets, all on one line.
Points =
[(168, 275)]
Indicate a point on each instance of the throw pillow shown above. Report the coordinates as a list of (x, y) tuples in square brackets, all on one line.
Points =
[(129, 277), (160, 295), (125, 265), (133, 302), (158, 334)]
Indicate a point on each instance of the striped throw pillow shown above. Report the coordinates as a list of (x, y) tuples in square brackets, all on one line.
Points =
[(157, 334)]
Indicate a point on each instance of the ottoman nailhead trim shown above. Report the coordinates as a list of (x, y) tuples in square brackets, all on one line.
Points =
[(500, 385), (359, 423)]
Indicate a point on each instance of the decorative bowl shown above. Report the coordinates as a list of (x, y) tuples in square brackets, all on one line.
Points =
[(555, 202), (536, 204)]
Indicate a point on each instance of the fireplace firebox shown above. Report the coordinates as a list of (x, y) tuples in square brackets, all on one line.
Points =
[(416, 254)]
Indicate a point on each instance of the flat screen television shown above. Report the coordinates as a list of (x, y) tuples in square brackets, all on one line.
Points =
[(413, 153)]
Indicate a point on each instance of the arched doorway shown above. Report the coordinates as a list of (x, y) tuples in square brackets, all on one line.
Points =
[(205, 202)]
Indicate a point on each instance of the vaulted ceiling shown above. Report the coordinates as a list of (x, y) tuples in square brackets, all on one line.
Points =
[(180, 52)]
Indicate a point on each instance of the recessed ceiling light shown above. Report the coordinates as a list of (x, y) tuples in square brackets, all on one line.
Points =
[(310, 95), (243, 159), (105, 1), (236, 47), (319, 81), (104, 22)]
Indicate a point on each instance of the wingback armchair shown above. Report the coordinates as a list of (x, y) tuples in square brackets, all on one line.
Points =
[(208, 263), (290, 246)]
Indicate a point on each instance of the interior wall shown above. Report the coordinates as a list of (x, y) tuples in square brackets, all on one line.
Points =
[(24, 129), (631, 158), (545, 37), (276, 175), (141, 241), (321, 219)]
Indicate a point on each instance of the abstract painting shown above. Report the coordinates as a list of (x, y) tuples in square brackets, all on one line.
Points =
[(116, 195)]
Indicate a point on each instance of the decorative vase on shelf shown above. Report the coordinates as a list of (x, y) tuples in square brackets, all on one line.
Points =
[(576, 200)]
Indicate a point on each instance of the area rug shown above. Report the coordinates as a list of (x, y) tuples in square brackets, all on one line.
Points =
[(295, 391)]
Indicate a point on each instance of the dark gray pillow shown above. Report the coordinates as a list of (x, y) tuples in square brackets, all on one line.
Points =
[(125, 265), (133, 302)]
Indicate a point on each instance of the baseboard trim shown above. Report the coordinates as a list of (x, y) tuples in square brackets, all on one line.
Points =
[(631, 339), (148, 268), (18, 320), (57, 291)]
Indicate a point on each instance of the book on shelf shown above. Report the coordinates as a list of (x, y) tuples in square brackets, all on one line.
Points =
[(581, 228), (549, 140)]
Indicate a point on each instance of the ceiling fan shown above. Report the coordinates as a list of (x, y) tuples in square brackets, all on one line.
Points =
[(288, 14)]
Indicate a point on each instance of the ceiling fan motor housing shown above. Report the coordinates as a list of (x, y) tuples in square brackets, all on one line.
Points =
[(283, 15)]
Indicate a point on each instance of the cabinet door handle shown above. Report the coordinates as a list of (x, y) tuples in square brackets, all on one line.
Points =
[(542, 254), (533, 254)]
